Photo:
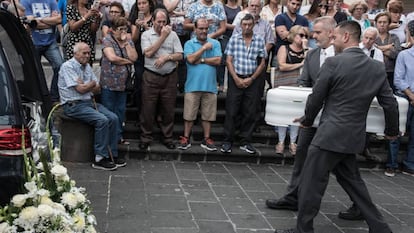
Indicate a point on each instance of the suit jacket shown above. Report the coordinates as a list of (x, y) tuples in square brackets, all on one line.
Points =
[(310, 68), (345, 88)]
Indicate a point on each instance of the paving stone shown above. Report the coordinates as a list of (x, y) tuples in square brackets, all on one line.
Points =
[(172, 219), (207, 211), (229, 192), (213, 168), (252, 184), (157, 166), (185, 174), (271, 178), (221, 179), (238, 206), (160, 177), (200, 195), (186, 165), (254, 231), (167, 203), (195, 184), (125, 225), (260, 197), (127, 183), (163, 189), (173, 230), (255, 221), (215, 226)]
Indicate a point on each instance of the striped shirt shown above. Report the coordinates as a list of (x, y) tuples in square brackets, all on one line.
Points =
[(70, 72), (245, 59)]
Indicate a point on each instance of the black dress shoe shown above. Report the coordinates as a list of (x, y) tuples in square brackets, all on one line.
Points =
[(281, 204), (353, 213), (169, 145), (286, 231), (143, 146)]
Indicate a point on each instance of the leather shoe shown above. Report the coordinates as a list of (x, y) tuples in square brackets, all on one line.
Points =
[(352, 213), (286, 231), (169, 145), (281, 204)]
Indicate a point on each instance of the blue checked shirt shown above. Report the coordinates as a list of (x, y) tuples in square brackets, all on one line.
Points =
[(245, 59), (69, 73)]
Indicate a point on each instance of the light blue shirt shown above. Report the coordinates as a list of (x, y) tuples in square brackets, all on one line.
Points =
[(404, 70), (69, 73), (201, 77), (41, 9)]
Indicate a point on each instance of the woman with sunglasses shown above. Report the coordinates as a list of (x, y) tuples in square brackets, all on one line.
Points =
[(118, 56), (116, 10), (290, 59)]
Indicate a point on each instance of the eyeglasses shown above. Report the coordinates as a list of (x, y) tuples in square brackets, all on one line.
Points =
[(303, 35), (114, 12), (123, 29)]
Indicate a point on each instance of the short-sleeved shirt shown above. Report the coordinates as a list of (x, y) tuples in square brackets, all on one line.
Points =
[(69, 73), (284, 20), (215, 12), (245, 59), (201, 77), (41, 9), (113, 77), (170, 45), (261, 28)]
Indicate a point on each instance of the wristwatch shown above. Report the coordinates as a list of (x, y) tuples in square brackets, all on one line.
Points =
[(202, 60)]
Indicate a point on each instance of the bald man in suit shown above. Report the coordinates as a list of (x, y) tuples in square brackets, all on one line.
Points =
[(345, 88)]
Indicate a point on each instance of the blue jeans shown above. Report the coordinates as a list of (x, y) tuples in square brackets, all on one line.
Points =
[(394, 145), (115, 101), (104, 121), (52, 54)]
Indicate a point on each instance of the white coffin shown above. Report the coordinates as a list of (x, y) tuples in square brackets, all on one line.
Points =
[(283, 104)]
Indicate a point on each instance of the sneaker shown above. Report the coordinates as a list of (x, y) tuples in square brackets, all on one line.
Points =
[(184, 143), (120, 162), (292, 148), (248, 148), (226, 147), (280, 147), (104, 164), (408, 171), (208, 144), (390, 172)]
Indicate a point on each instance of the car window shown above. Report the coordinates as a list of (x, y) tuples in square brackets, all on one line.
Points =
[(7, 116), (12, 55)]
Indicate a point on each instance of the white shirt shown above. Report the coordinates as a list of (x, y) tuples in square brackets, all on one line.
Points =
[(377, 52), (325, 53)]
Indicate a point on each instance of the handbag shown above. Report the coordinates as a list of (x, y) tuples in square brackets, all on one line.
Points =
[(286, 78), (130, 80)]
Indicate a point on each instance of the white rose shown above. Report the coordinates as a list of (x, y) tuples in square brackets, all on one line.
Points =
[(79, 221), (69, 199), (43, 193), (45, 210), (46, 201), (30, 186), (4, 227), (29, 214), (80, 197), (58, 207), (91, 219), (59, 170), (19, 200)]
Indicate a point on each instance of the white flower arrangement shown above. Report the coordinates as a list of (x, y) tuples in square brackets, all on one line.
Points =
[(50, 201)]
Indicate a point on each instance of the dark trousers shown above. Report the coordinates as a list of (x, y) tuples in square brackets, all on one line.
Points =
[(240, 106), (158, 100), (304, 140), (315, 179)]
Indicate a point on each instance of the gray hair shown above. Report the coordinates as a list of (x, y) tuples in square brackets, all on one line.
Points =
[(78, 46), (261, 3), (328, 22), (371, 29)]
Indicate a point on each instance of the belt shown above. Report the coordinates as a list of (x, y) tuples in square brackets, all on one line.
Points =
[(244, 76), (158, 74), (74, 102)]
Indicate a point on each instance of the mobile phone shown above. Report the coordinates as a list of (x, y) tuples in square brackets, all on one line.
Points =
[(141, 15), (95, 4)]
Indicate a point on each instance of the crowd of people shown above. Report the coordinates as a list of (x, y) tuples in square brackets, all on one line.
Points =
[(189, 45)]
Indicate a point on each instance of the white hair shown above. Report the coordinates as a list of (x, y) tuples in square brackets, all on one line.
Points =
[(371, 29)]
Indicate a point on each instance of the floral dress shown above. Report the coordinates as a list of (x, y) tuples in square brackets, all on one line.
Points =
[(84, 34)]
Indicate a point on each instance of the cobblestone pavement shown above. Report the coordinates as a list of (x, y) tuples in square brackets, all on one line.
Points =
[(190, 197)]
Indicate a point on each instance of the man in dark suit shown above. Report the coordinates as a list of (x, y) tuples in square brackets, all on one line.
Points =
[(323, 34), (345, 89)]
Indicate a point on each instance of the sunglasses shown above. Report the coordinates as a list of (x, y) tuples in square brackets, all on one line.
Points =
[(303, 35)]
